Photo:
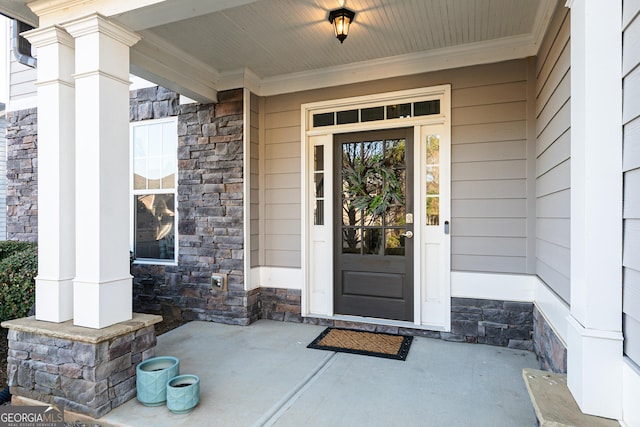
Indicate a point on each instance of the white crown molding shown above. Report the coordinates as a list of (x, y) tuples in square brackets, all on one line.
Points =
[(41, 37), (96, 23), (471, 54), (47, 7), (54, 11), (239, 78), (441, 59), (542, 21)]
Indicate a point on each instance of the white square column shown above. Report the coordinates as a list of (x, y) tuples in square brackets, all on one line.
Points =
[(102, 288), (594, 335), (56, 173)]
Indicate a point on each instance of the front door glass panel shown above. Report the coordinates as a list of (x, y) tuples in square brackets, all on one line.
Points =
[(373, 198)]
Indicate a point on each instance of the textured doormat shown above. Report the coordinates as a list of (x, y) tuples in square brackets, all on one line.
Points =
[(367, 343)]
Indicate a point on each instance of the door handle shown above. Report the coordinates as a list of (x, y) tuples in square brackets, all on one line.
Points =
[(408, 234)]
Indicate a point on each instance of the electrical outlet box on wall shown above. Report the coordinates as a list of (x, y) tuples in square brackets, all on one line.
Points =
[(218, 281)]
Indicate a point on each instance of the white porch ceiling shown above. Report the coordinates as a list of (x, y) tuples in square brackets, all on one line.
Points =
[(277, 46), (276, 37)]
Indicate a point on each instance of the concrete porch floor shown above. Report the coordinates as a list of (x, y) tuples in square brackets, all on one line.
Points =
[(263, 374)]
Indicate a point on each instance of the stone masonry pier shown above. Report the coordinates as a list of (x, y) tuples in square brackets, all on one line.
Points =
[(88, 371)]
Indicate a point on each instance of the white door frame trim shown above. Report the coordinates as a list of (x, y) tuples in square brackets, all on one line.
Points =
[(317, 285)]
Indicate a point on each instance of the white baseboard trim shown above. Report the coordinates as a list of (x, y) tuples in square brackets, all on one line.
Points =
[(22, 104), (276, 277), (554, 309), (630, 393), (504, 287)]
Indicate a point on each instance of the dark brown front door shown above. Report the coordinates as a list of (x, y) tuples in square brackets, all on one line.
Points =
[(373, 176)]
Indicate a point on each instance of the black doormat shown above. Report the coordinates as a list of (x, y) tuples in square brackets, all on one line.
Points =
[(375, 344)]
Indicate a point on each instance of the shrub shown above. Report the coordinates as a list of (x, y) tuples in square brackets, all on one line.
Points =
[(17, 279), (9, 247)]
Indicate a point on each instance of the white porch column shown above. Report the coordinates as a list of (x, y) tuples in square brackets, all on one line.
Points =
[(594, 336), (56, 182), (102, 288)]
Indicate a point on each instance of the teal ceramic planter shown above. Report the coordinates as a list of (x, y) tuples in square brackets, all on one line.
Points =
[(151, 379), (183, 393)]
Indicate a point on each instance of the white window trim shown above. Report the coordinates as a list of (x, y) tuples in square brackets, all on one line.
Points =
[(132, 193)]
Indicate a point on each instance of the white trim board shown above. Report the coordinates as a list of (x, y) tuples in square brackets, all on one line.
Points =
[(246, 186), (276, 277), (22, 104), (554, 309), (630, 393), (504, 287)]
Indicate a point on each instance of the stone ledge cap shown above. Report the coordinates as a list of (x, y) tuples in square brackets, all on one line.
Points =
[(554, 404), (67, 330)]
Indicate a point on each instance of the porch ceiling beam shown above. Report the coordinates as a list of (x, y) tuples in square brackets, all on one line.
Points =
[(134, 14), (165, 12), (19, 11), (160, 62)]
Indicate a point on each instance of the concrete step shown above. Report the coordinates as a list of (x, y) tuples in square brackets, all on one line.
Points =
[(554, 404)]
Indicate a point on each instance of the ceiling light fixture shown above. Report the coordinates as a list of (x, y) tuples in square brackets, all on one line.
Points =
[(341, 18)]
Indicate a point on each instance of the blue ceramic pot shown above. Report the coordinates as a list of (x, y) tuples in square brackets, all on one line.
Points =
[(151, 379), (183, 393)]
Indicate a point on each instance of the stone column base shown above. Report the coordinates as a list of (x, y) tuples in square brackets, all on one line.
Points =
[(88, 371)]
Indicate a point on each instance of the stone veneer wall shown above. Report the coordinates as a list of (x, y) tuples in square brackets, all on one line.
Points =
[(551, 352), (88, 378), (210, 206), (22, 175), (493, 322), (210, 213), (281, 304)]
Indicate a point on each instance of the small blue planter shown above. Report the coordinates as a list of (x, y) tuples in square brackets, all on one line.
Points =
[(183, 393), (151, 379)]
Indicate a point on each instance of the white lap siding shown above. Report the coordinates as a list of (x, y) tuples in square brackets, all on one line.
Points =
[(489, 173), (631, 173), (553, 156)]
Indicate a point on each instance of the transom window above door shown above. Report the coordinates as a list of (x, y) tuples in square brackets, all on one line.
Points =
[(376, 113)]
